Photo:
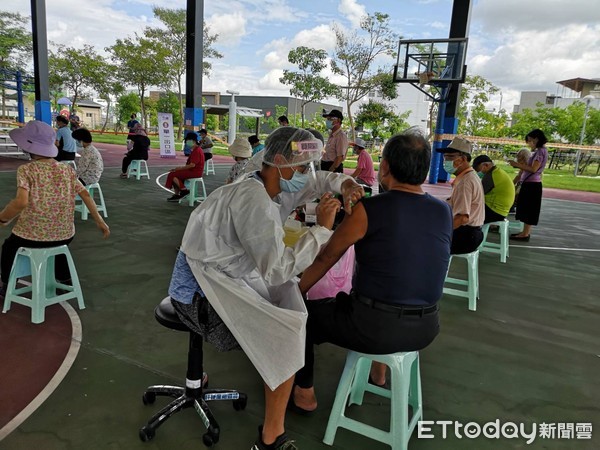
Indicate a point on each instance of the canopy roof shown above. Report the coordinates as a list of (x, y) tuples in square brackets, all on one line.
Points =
[(221, 110), (576, 84)]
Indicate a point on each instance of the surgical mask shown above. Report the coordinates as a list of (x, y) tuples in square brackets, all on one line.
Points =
[(328, 124), (449, 167), (295, 184), (190, 143), (480, 174)]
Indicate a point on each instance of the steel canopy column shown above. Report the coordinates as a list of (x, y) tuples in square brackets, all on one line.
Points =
[(194, 114), (447, 122), (40, 61)]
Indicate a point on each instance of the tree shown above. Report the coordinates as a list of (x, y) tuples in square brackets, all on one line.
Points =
[(307, 84), (355, 56), (127, 104), (381, 119), (141, 63), (173, 38), (169, 103), (106, 84), (15, 47), (474, 118), (74, 68)]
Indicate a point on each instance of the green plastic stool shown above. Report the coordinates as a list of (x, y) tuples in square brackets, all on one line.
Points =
[(39, 263), (135, 169), (194, 196), (471, 283), (405, 393), (101, 207), (502, 248), (209, 167)]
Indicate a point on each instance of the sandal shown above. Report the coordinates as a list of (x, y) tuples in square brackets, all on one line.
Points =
[(123, 175)]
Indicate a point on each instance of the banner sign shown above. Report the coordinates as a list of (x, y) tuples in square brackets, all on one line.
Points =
[(166, 136)]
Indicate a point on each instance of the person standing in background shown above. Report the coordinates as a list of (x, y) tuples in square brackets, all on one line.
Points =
[(530, 194), (337, 143)]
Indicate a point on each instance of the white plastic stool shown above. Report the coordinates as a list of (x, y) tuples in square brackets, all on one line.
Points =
[(39, 263), (194, 195), (70, 162), (135, 169), (209, 167), (472, 282), (101, 207), (502, 248), (405, 393)]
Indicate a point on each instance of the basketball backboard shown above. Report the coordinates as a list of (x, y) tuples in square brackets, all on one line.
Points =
[(431, 61)]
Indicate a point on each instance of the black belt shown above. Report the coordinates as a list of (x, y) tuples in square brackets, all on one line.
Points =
[(396, 309)]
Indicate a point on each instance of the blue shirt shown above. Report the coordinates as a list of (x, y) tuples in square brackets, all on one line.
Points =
[(257, 149), (404, 255), (65, 140), (183, 282)]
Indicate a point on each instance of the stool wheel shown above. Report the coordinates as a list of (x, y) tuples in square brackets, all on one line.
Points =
[(148, 398), (209, 439), (147, 433), (240, 403)]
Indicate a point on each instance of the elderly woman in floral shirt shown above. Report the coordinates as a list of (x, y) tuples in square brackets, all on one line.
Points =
[(90, 165)]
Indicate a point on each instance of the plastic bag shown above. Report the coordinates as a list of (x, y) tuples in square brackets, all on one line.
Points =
[(338, 278)]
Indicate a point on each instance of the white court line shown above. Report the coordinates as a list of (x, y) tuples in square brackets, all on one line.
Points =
[(160, 185), (558, 248), (56, 379)]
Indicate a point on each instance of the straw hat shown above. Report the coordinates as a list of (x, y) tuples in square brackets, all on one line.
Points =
[(240, 148)]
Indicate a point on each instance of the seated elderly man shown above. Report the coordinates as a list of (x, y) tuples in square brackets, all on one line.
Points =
[(467, 199), (402, 243), (498, 188), (233, 256)]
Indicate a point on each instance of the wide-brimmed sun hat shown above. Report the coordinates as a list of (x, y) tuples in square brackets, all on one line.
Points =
[(36, 137), (240, 148)]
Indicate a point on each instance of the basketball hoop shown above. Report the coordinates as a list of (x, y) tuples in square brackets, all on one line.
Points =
[(425, 77)]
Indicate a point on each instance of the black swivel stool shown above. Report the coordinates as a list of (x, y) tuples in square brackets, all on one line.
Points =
[(194, 394)]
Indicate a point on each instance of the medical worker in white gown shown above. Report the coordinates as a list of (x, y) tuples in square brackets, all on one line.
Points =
[(233, 253)]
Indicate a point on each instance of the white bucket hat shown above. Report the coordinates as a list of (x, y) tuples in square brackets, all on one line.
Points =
[(240, 148)]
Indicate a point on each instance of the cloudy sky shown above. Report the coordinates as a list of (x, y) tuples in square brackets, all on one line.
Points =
[(515, 44)]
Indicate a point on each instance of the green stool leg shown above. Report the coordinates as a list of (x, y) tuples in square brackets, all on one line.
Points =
[(405, 391), (360, 381)]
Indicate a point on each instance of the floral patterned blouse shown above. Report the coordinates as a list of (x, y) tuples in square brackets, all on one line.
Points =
[(90, 165), (52, 188)]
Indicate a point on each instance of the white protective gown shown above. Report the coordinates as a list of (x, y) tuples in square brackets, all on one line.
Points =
[(234, 245)]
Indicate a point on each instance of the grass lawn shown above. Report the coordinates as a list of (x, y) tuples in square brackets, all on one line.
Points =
[(553, 178)]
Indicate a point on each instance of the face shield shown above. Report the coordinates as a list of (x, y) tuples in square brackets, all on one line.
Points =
[(296, 148)]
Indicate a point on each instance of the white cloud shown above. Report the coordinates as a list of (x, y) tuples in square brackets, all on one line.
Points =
[(528, 15), (271, 81), (352, 10), (320, 37), (230, 27), (536, 60)]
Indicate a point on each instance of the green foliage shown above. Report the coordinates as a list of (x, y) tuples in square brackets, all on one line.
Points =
[(211, 122), (141, 63), (169, 103), (561, 124), (172, 36), (307, 84), (381, 119), (15, 41), (474, 119), (151, 110), (355, 57), (127, 104), (75, 69)]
